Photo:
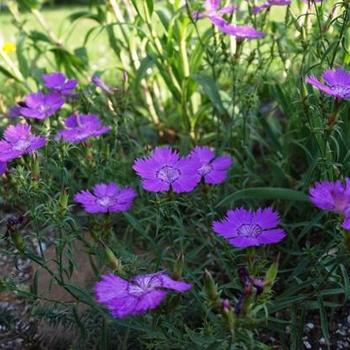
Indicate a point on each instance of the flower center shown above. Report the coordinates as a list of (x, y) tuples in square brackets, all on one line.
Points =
[(105, 201), (143, 285), (168, 174), (82, 134), (21, 145), (249, 230), (341, 201), (205, 169), (43, 108), (341, 90)]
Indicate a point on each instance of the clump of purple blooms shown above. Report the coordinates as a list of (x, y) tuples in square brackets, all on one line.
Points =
[(214, 13), (17, 141), (212, 169), (58, 82), (166, 170), (106, 198), (336, 83), (40, 105), (80, 127), (245, 228), (138, 295), (333, 197)]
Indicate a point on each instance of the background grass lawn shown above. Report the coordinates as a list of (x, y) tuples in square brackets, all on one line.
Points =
[(71, 34)]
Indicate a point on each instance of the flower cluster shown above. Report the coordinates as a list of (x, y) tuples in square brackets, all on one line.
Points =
[(215, 14), (166, 170), (18, 139), (162, 171), (41, 105)]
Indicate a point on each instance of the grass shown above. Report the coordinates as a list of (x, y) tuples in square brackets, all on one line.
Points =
[(71, 34)]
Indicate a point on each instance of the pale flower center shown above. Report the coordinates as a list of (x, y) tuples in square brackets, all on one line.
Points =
[(82, 134), (143, 285), (105, 201), (168, 174), (341, 204), (249, 230), (43, 108), (340, 89), (21, 145), (205, 169)]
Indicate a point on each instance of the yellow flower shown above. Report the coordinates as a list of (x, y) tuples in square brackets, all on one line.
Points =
[(9, 47)]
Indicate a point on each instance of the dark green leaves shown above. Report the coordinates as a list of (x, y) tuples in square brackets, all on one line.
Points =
[(265, 193), (211, 90)]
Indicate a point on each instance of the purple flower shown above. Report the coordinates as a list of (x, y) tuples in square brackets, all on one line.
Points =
[(138, 295), (242, 32), (41, 106), (337, 83), (214, 14), (212, 8), (245, 228), (78, 128), (333, 197), (59, 83), (96, 80), (213, 170), (18, 140), (15, 111), (106, 198), (3, 168), (164, 169), (270, 3)]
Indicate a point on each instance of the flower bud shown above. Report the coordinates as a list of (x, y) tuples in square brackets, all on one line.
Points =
[(230, 318), (113, 261), (211, 289), (63, 202), (17, 241)]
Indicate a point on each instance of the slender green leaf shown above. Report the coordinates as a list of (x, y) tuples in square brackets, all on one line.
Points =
[(267, 193)]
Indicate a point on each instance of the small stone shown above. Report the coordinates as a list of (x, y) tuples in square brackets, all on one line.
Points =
[(310, 325), (307, 345), (341, 332), (322, 341)]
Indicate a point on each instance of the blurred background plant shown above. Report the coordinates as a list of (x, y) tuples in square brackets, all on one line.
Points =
[(182, 82)]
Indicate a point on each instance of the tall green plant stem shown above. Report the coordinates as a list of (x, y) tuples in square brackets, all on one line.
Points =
[(42, 21), (135, 62)]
